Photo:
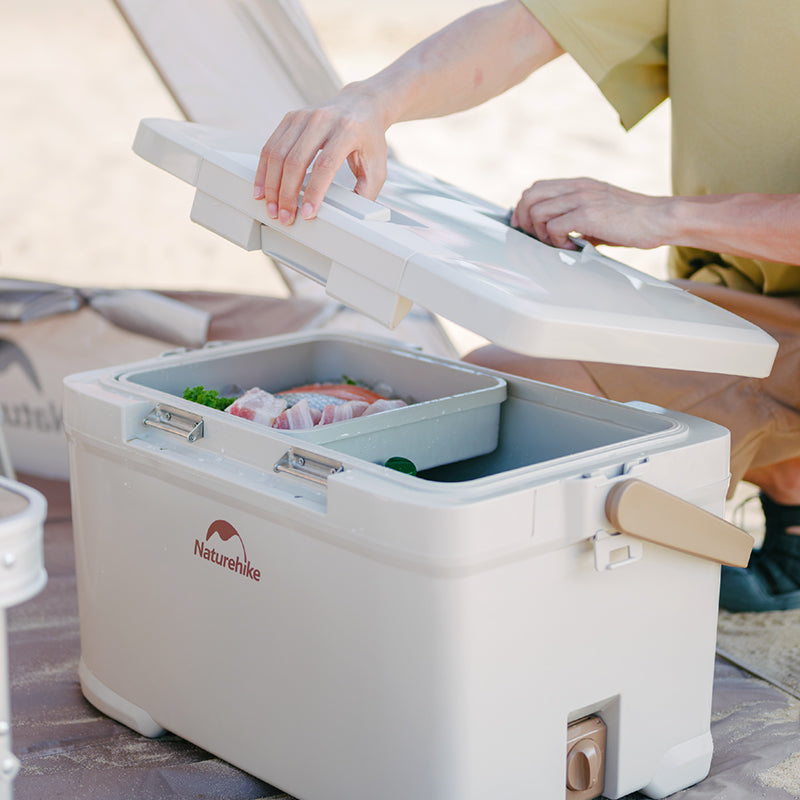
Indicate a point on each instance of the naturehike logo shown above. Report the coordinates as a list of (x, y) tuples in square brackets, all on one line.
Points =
[(226, 532), (20, 413)]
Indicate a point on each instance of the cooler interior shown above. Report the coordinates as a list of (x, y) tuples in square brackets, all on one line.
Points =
[(453, 410), (542, 426), (462, 425)]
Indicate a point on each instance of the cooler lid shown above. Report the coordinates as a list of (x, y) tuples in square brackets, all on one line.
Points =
[(429, 243)]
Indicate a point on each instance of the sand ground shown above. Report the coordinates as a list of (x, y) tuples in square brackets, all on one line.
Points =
[(78, 207)]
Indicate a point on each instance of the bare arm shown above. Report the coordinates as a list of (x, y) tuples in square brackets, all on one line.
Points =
[(475, 58), (764, 226), (470, 61)]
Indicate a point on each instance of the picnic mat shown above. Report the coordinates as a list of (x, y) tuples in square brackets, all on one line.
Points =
[(767, 644)]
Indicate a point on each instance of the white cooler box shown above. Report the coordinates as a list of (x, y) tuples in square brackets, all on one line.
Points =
[(532, 616)]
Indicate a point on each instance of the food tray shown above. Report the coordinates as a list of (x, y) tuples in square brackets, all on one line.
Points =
[(454, 413)]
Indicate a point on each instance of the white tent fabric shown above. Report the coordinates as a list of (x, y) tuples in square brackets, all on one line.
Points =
[(241, 65), (236, 64)]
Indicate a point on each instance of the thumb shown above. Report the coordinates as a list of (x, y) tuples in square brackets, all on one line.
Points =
[(369, 177)]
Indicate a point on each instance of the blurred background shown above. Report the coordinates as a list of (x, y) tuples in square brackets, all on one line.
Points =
[(78, 207)]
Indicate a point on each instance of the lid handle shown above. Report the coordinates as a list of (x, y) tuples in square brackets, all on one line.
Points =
[(649, 513), (355, 205)]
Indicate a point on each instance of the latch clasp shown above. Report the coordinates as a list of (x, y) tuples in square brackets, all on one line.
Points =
[(175, 420), (612, 551), (304, 464)]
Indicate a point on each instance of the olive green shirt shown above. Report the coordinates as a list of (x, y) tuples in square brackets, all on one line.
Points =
[(730, 69)]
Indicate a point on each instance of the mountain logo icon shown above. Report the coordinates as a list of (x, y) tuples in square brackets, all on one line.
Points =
[(226, 532)]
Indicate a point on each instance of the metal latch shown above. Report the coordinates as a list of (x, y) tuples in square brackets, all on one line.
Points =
[(175, 420), (303, 464)]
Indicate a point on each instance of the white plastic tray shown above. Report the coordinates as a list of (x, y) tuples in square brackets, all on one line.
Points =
[(453, 415)]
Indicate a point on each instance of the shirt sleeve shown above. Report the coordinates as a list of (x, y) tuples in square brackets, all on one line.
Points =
[(620, 44)]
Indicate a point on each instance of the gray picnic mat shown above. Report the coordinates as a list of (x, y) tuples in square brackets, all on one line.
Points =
[(756, 741), (766, 643)]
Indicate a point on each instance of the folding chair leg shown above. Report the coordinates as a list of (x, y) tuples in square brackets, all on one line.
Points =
[(6, 468)]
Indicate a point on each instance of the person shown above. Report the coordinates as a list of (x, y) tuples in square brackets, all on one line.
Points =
[(733, 220)]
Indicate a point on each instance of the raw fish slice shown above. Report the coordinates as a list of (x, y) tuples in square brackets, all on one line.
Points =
[(383, 405), (348, 410), (343, 391), (328, 414), (257, 405), (298, 417), (315, 399)]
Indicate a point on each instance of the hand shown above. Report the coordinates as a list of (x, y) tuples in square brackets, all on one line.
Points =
[(348, 128), (599, 212)]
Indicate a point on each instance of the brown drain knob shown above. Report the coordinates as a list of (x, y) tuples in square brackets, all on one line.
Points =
[(584, 766), (586, 745)]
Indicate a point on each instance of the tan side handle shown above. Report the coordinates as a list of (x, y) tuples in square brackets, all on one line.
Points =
[(649, 513)]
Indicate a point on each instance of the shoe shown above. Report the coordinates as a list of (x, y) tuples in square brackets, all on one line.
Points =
[(771, 581)]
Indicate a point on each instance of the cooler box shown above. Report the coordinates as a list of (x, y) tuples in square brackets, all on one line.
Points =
[(533, 615)]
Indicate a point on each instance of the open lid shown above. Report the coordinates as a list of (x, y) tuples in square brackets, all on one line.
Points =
[(429, 243)]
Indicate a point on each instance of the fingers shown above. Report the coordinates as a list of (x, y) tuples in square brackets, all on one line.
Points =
[(599, 212), (347, 142), (368, 168), (550, 211), (370, 173), (322, 139), (284, 161), (273, 151)]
